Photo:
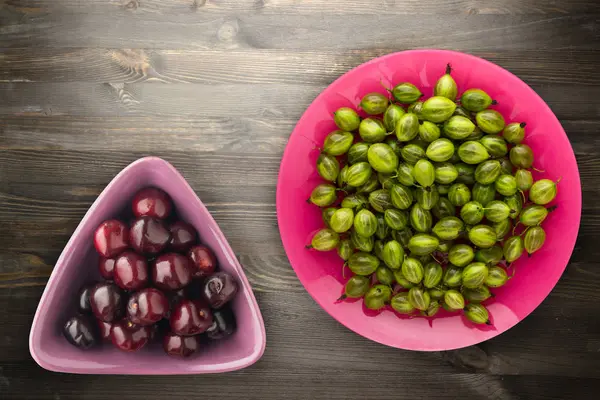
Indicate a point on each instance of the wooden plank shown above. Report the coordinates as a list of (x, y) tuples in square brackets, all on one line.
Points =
[(77, 168), (527, 349), (256, 383), (287, 101), (148, 134), (259, 66), (37, 27), (341, 7)]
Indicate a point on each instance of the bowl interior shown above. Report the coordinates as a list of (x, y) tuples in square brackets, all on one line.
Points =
[(321, 273), (77, 265)]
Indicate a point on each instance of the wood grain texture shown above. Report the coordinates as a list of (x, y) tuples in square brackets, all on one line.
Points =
[(358, 7), (215, 87), (313, 383), (240, 29), (333, 347), (256, 66)]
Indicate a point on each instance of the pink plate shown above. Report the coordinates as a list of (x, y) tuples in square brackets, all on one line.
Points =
[(321, 273), (78, 264)]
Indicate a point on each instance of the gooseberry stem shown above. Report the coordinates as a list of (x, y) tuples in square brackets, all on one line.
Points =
[(448, 68), (523, 194), (515, 227), (383, 86)]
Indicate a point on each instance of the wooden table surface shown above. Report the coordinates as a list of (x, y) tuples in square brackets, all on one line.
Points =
[(215, 87)]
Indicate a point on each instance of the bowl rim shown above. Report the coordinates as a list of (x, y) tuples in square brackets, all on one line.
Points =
[(259, 345), (286, 240)]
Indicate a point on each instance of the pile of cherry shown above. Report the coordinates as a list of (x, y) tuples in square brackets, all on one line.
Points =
[(158, 280)]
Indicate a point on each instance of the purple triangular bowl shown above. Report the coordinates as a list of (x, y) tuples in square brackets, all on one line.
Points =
[(77, 265)]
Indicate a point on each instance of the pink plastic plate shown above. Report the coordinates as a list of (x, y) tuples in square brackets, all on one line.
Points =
[(321, 273), (78, 265)]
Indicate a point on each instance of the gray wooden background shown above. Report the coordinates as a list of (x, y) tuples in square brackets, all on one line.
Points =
[(215, 87)]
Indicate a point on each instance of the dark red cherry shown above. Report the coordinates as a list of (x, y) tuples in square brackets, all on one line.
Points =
[(151, 202), (111, 238), (80, 332), (204, 261), (149, 235), (223, 324), (106, 266), (83, 297), (131, 271), (180, 346), (171, 271), (106, 300), (127, 336), (104, 328), (183, 236), (147, 306), (219, 289), (190, 317)]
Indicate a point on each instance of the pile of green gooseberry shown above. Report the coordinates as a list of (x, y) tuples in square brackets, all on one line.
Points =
[(424, 198)]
